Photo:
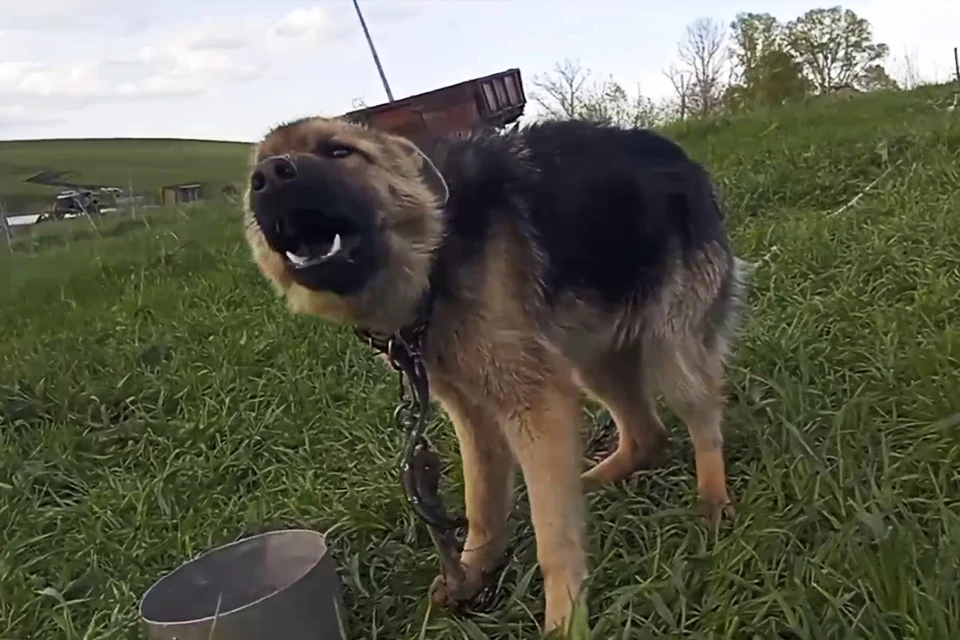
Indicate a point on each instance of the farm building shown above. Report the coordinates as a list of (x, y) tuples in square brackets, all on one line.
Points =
[(491, 101), (181, 194)]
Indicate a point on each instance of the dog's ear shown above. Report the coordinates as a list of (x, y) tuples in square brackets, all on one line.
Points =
[(428, 170)]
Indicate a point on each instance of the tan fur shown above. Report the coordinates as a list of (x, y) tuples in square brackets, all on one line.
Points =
[(390, 166), (545, 438), (488, 471), (507, 370), (498, 362)]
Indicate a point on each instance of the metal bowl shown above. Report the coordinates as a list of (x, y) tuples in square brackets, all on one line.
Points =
[(280, 584)]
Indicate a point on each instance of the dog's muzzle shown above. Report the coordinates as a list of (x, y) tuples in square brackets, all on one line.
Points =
[(319, 219), (304, 213)]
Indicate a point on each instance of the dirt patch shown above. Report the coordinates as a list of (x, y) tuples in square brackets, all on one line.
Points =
[(54, 178)]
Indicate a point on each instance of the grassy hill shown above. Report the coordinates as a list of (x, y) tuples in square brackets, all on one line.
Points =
[(147, 164), (156, 399)]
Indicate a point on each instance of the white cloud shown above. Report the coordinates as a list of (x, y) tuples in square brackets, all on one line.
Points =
[(194, 59), (300, 28), (132, 66), (34, 79), (68, 15), (18, 115), (189, 67)]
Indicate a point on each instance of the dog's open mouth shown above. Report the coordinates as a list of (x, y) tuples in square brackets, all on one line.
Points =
[(325, 240)]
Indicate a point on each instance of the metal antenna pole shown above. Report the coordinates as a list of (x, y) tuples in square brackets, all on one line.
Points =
[(373, 50), (6, 227)]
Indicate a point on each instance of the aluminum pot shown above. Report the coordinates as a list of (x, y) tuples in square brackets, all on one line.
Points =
[(281, 584)]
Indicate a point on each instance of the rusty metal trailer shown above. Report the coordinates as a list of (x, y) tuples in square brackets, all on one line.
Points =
[(492, 101)]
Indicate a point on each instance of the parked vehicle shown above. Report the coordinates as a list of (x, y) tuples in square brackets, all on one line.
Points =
[(75, 202)]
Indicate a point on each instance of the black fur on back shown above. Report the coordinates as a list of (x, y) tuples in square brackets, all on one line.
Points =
[(603, 207)]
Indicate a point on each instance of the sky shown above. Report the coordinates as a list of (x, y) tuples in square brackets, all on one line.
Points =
[(231, 69)]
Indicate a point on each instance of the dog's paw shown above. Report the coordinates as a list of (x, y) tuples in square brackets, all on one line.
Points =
[(627, 460), (718, 512), (445, 592)]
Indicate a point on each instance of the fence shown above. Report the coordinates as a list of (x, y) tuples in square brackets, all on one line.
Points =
[(128, 204)]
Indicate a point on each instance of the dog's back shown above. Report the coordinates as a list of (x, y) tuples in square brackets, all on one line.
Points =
[(612, 206), (624, 233)]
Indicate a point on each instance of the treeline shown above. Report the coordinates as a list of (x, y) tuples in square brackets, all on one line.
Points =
[(755, 62)]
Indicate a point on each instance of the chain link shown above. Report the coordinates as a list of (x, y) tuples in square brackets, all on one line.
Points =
[(420, 467)]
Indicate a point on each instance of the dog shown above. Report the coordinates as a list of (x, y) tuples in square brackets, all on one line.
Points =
[(562, 258)]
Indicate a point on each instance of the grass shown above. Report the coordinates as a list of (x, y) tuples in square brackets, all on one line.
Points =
[(147, 165), (156, 400)]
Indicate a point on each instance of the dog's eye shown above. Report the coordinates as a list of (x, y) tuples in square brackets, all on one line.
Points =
[(336, 150)]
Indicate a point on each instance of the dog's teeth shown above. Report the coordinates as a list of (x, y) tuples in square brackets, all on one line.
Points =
[(294, 258), (335, 247)]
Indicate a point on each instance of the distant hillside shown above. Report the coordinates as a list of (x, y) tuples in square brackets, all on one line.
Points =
[(816, 154), (147, 164)]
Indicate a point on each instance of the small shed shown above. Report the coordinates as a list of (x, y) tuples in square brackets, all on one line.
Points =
[(181, 194), (492, 101)]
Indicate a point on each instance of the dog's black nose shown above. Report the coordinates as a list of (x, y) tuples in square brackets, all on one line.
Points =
[(272, 173)]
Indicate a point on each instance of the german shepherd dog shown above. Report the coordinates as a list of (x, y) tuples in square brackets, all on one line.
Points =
[(562, 257)]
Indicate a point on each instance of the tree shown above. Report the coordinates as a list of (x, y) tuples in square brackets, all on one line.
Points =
[(703, 57), (835, 47), (876, 78), (907, 71), (681, 81), (610, 103), (561, 93), (754, 35), (567, 93), (768, 75)]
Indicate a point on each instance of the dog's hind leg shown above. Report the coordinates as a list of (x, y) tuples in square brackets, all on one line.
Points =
[(618, 381), (689, 351), (692, 385)]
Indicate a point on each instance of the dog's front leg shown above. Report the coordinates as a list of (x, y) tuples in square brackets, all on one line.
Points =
[(488, 471), (545, 440)]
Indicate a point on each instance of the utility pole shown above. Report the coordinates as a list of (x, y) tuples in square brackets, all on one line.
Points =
[(956, 63), (133, 203), (86, 213), (373, 50), (6, 227)]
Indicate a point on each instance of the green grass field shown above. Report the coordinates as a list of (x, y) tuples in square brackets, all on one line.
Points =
[(146, 165), (156, 400)]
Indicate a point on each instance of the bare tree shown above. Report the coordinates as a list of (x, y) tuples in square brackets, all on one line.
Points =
[(681, 81), (703, 55), (908, 71), (562, 93), (569, 92)]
